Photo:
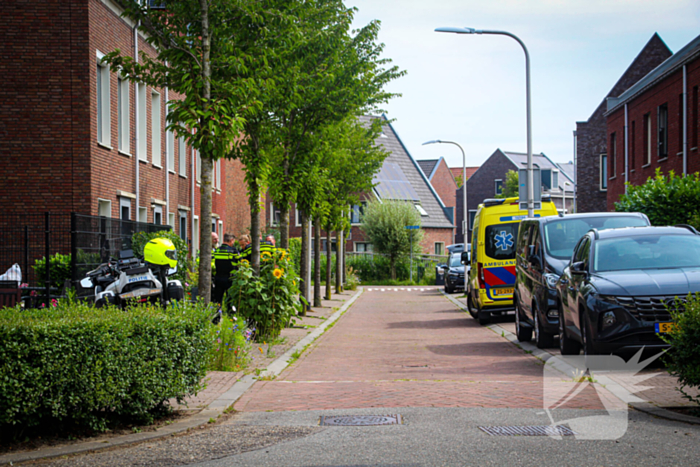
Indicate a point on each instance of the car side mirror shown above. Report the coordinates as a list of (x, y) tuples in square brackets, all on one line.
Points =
[(464, 258), (578, 267)]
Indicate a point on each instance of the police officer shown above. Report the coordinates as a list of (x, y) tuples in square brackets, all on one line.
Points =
[(224, 260)]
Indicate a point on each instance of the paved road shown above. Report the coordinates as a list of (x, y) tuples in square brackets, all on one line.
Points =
[(414, 353)]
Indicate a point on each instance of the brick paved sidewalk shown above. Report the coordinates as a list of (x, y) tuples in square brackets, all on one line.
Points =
[(400, 348)]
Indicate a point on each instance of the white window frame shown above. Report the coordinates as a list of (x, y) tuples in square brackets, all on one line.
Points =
[(442, 248), (297, 217), (170, 150), (217, 175), (123, 119), (495, 186), (182, 153), (142, 130), (555, 179), (366, 245), (195, 236), (102, 93), (143, 214), (272, 215), (124, 203), (603, 172), (156, 127), (104, 207), (171, 220), (158, 212), (221, 229), (198, 167), (421, 210)]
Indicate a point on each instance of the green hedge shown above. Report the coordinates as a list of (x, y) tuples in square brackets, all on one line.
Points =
[(683, 358), (77, 365), (376, 268)]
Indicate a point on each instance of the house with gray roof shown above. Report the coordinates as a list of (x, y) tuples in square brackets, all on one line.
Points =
[(400, 179)]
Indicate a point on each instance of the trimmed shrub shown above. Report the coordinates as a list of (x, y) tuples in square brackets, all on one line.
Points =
[(72, 364), (683, 359), (60, 270)]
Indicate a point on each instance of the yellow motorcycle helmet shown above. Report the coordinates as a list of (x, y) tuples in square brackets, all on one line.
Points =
[(160, 251)]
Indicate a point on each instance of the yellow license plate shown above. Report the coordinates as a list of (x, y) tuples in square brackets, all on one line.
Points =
[(664, 327), (508, 291)]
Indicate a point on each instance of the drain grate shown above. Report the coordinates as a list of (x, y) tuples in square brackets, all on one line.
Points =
[(361, 420), (547, 430)]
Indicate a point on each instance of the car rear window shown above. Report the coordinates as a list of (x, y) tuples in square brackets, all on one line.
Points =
[(647, 252), (562, 236), (500, 240)]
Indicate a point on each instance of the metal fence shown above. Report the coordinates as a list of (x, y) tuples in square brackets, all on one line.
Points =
[(90, 240)]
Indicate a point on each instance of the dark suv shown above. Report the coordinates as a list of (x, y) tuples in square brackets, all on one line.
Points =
[(543, 250), (615, 295)]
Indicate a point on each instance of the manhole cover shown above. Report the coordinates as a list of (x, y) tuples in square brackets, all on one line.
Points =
[(547, 430), (361, 420)]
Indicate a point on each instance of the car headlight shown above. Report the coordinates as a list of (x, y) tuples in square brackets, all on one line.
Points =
[(551, 280)]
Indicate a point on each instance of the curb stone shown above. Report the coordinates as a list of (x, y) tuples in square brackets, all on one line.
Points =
[(212, 411), (612, 386)]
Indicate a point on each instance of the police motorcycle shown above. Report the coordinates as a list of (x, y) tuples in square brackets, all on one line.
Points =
[(128, 279)]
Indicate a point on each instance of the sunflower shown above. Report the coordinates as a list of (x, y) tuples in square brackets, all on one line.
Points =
[(245, 262), (284, 255), (265, 255), (277, 273)]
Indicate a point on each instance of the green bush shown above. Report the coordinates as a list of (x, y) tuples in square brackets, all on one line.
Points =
[(230, 344), (139, 240), (295, 253), (60, 270), (666, 200), (72, 364), (683, 358), (376, 269), (269, 301)]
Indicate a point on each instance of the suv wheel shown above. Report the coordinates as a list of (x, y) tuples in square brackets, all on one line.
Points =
[(523, 333), (542, 338), (448, 288), (567, 346)]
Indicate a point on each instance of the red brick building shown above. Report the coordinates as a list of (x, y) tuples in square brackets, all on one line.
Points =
[(457, 173), (440, 177), (654, 124), (399, 179), (76, 136)]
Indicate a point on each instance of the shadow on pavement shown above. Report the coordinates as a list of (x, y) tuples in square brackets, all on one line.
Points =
[(430, 324)]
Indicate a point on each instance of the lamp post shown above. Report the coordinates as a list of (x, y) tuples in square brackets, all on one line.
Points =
[(530, 190), (464, 185), (564, 194)]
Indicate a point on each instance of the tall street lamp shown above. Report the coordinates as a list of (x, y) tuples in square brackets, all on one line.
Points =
[(464, 184), (530, 190)]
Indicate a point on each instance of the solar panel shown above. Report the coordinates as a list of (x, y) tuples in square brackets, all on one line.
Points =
[(393, 184)]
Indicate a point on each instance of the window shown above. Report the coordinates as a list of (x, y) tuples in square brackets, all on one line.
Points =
[(171, 220), (217, 178), (647, 140), (555, 179), (103, 112), (500, 240), (143, 215), (142, 149), (123, 114), (499, 186), (420, 209), (170, 149), (357, 211), (603, 172), (633, 146), (297, 217), (274, 215), (662, 129), (183, 225), (124, 209), (550, 179), (182, 156), (363, 247), (158, 215), (440, 248), (694, 121), (155, 128), (472, 216), (613, 155), (104, 208), (213, 225)]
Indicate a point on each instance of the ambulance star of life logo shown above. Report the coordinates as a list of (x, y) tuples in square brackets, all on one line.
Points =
[(504, 241), (604, 384)]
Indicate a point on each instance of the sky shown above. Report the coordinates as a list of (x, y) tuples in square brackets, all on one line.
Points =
[(470, 89)]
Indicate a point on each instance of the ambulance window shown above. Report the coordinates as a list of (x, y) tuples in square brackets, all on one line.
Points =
[(500, 240)]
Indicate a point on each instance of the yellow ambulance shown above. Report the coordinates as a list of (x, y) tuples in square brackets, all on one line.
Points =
[(491, 280)]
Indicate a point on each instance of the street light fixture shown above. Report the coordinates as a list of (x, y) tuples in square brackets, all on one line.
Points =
[(530, 190), (464, 184)]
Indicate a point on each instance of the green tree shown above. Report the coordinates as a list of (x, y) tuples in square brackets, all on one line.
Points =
[(510, 187), (206, 52), (666, 200), (384, 223)]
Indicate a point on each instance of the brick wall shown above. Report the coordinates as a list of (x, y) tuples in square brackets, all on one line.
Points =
[(432, 236), (591, 136), (668, 91), (444, 184)]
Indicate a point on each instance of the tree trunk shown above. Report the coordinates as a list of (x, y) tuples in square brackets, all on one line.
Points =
[(284, 225), (304, 264), (253, 201), (329, 262), (339, 264), (392, 266), (207, 165), (317, 262)]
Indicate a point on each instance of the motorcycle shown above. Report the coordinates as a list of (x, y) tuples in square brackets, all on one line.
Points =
[(128, 279)]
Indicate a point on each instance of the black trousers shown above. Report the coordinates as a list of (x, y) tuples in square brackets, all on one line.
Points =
[(221, 285)]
